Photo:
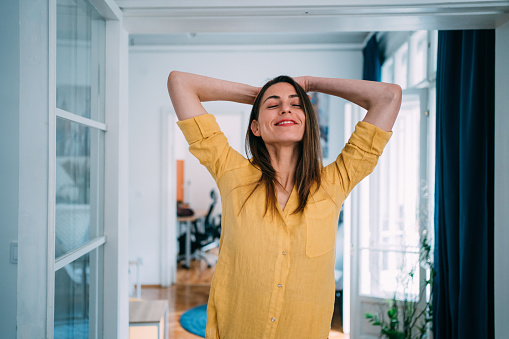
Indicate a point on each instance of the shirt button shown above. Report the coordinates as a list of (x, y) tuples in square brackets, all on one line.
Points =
[(284, 252), (284, 224), (272, 319), (279, 285)]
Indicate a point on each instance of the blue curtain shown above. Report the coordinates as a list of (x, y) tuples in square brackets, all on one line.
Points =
[(463, 289), (372, 68)]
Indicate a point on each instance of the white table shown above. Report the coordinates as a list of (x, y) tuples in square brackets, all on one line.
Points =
[(148, 319), (188, 222)]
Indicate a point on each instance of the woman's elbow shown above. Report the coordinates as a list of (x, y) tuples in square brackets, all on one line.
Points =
[(173, 79), (392, 98), (394, 94)]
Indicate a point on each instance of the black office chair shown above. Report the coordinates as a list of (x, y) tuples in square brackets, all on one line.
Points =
[(204, 236), (212, 226)]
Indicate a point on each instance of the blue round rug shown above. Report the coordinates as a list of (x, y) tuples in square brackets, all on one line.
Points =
[(195, 320)]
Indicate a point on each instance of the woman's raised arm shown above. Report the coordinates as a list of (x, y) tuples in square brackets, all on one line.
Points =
[(381, 100), (187, 92)]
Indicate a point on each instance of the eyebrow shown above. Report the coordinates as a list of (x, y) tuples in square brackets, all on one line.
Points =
[(278, 97)]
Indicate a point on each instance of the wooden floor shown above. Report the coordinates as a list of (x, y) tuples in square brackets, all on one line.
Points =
[(192, 289)]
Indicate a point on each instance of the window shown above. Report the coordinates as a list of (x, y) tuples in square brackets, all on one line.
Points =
[(418, 58), (79, 170), (395, 202), (388, 70), (401, 66), (389, 243)]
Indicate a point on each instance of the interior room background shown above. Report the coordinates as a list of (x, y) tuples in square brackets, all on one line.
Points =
[(137, 129), (149, 69)]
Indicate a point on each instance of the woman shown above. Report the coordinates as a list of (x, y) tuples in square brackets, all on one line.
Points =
[(275, 273)]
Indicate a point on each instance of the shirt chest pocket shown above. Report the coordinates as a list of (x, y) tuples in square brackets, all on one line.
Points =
[(321, 225)]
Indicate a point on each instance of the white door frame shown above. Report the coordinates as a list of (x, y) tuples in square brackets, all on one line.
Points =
[(116, 209), (168, 227)]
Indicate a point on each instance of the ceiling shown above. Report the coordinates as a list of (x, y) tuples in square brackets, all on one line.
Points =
[(236, 38), (226, 22)]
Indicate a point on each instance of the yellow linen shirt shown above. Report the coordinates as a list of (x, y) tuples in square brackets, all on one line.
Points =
[(274, 277)]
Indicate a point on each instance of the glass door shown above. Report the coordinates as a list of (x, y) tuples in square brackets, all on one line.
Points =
[(79, 171)]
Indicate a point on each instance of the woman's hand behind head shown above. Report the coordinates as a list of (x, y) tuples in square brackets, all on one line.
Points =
[(303, 82)]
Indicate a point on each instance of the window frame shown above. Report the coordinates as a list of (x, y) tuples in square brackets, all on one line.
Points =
[(113, 310)]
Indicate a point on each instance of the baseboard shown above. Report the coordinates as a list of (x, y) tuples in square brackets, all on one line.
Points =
[(151, 286)]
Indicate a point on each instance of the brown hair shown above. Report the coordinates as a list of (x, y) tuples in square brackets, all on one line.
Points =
[(309, 166)]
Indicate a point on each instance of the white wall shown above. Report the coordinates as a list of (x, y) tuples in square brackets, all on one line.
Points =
[(33, 169), (501, 180), (116, 207), (9, 164), (148, 71)]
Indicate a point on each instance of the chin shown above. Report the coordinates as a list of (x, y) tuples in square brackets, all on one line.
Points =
[(283, 141)]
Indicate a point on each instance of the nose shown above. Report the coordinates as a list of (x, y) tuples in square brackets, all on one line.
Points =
[(286, 108)]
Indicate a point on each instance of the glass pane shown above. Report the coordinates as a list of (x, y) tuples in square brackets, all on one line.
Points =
[(80, 59), (401, 66), (399, 180), (385, 273), (388, 71), (79, 185), (392, 228), (72, 300), (418, 57), (78, 297)]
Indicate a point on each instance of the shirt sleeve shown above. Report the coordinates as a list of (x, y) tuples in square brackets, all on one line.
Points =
[(209, 145), (358, 158)]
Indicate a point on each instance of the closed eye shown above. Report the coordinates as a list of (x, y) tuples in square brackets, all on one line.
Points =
[(272, 106)]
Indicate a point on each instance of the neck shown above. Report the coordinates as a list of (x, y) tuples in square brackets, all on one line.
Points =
[(284, 160)]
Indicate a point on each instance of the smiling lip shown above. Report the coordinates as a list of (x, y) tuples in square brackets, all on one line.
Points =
[(286, 122)]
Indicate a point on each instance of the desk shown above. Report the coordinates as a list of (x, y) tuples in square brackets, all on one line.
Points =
[(148, 319), (188, 221)]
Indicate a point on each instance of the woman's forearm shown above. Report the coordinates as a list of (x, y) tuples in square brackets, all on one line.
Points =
[(187, 91), (381, 100)]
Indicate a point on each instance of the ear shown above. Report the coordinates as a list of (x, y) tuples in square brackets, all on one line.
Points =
[(255, 128)]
